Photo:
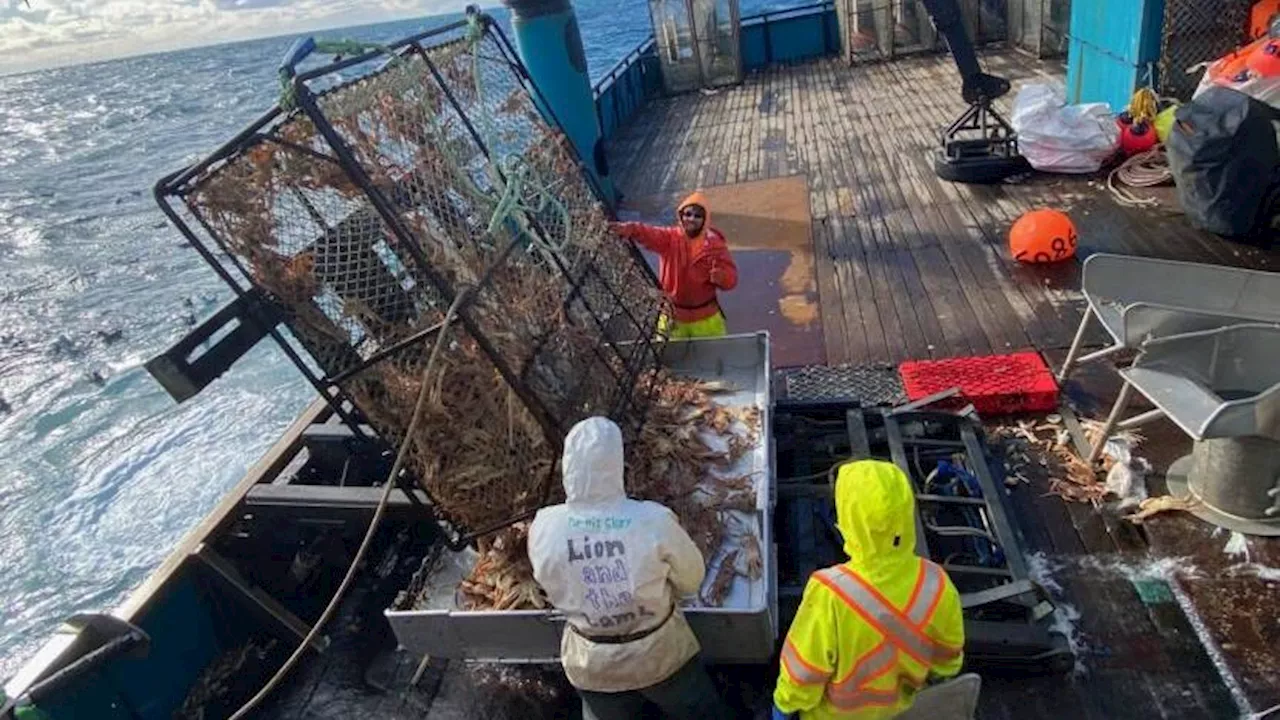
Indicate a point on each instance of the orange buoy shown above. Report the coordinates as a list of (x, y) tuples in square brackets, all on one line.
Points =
[(1042, 236)]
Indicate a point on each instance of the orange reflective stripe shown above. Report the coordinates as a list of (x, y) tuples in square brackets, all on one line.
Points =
[(800, 670), (930, 584), (841, 587), (870, 666), (915, 591), (881, 615), (937, 583), (896, 627), (944, 653)]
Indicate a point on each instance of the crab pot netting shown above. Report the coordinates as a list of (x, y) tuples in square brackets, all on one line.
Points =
[(1194, 32), (479, 193)]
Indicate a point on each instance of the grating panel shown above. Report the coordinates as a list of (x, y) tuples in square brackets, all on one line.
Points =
[(869, 385)]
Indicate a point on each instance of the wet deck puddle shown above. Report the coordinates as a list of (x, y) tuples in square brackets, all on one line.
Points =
[(768, 228)]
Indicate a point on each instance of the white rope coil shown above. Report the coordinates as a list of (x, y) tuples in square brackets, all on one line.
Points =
[(1146, 169)]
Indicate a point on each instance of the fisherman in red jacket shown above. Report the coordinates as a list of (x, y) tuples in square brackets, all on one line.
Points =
[(694, 263)]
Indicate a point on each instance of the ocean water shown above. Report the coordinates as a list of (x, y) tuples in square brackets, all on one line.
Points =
[(100, 472)]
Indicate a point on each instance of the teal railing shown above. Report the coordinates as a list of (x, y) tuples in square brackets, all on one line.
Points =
[(781, 36), (626, 88)]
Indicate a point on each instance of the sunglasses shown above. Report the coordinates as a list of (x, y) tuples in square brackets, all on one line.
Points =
[(692, 214)]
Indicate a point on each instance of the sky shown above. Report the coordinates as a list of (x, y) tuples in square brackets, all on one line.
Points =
[(64, 32)]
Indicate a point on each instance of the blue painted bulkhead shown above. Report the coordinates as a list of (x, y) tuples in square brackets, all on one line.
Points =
[(1114, 48), (789, 36), (625, 89), (185, 638)]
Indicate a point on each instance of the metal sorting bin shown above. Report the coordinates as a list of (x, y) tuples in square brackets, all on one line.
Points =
[(742, 630)]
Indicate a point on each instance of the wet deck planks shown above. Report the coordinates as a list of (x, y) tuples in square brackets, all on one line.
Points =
[(908, 266), (912, 267)]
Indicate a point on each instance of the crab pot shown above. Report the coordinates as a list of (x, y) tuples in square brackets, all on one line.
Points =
[(427, 619), (396, 186)]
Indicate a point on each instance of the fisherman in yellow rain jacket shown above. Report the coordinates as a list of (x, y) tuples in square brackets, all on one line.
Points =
[(871, 632)]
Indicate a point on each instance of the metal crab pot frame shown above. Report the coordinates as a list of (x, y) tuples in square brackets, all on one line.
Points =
[(364, 209)]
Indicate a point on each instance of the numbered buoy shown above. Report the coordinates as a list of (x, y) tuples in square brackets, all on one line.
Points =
[(1042, 236)]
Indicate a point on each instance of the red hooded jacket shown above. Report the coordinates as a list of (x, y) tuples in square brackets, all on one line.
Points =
[(690, 270)]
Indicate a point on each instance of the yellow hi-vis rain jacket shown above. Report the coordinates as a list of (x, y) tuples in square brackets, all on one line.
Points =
[(871, 631)]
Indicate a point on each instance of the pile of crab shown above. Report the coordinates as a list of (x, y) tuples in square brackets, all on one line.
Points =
[(688, 457)]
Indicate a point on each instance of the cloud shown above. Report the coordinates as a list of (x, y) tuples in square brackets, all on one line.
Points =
[(60, 32)]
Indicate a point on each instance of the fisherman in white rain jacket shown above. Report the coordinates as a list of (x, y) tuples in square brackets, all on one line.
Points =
[(616, 568)]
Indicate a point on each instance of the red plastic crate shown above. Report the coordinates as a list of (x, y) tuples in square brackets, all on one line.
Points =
[(995, 384)]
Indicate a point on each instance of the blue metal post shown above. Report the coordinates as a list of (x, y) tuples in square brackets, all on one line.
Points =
[(549, 43), (1114, 48)]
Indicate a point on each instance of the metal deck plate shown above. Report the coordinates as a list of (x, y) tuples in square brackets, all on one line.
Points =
[(868, 384)]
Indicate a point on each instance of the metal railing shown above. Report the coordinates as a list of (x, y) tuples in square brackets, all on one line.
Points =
[(786, 35), (625, 89), (790, 35)]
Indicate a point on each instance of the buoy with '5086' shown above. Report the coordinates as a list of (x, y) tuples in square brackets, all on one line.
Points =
[(1043, 236)]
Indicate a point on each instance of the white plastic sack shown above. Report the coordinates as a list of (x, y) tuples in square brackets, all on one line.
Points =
[(1061, 138)]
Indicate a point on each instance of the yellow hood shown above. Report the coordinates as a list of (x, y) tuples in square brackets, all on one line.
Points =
[(876, 514)]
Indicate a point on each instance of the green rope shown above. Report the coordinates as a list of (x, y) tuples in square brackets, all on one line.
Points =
[(475, 29), (351, 47), (336, 48), (513, 206)]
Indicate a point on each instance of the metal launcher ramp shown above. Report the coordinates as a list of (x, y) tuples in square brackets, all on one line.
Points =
[(963, 522)]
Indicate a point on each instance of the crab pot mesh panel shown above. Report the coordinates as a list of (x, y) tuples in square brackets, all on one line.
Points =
[(1197, 31), (912, 29), (477, 450), (366, 212)]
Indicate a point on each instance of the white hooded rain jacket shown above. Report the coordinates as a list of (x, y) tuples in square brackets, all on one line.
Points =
[(616, 568)]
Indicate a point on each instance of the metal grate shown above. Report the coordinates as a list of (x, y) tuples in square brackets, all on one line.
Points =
[(869, 385), (366, 210), (1197, 31)]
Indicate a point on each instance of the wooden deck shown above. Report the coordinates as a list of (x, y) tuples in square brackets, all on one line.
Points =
[(903, 266), (907, 266)]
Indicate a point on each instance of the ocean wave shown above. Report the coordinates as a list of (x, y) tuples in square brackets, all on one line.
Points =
[(100, 473)]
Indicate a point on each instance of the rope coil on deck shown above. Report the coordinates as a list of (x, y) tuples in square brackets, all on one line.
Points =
[(1146, 169)]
